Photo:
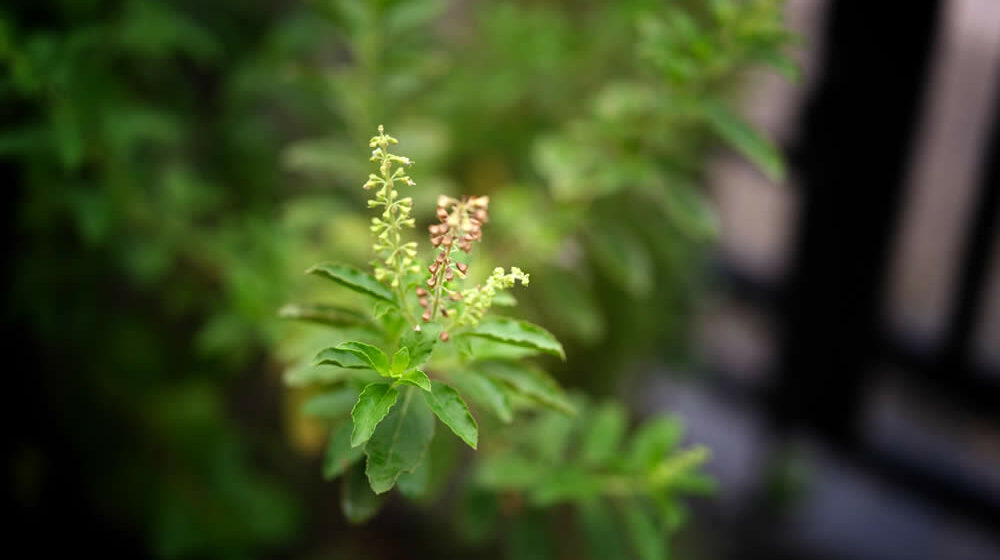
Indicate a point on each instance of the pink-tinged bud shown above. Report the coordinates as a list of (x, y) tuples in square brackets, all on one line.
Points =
[(433, 268), (462, 267), (421, 292), (435, 241), (444, 312), (439, 258), (455, 296), (442, 214), (434, 229), (449, 276), (426, 316), (446, 242), (475, 223), (431, 282), (444, 337), (423, 302)]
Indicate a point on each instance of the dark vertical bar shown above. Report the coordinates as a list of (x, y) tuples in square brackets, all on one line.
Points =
[(857, 136)]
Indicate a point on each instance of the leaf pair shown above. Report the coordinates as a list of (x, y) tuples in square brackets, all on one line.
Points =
[(377, 400)]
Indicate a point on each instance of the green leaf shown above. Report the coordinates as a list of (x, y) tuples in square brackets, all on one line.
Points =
[(342, 358), (509, 472), (400, 361), (622, 257), (647, 538), (745, 139), (689, 210), (485, 393), (331, 315), (420, 343), (529, 382), (448, 405), (475, 348), (373, 405), (374, 356), (331, 405), (399, 443), (604, 435), (339, 453), (600, 530), (354, 279), (568, 484), (519, 333), (357, 500), (416, 378), (414, 484), (652, 442)]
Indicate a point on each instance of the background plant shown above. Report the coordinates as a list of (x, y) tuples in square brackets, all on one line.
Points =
[(175, 164)]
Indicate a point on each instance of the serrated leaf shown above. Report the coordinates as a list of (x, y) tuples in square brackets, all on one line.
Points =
[(339, 454), (374, 403), (372, 355), (485, 393), (745, 139), (400, 361), (448, 405), (647, 539), (341, 357), (357, 500), (416, 378), (354, 279), (604, 435), (324, 314), (399, 443), (652, 441), (420, 343), (331, 405), (529, 382), (519, 333)]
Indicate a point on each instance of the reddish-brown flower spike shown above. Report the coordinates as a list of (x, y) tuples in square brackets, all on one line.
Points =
[(421, 292)]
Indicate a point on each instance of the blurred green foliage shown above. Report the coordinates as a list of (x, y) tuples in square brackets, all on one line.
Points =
[(175, 163)]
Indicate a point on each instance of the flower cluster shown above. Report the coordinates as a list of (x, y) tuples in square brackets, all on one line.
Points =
[(397, 257), (478, 300), (461, 223)]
